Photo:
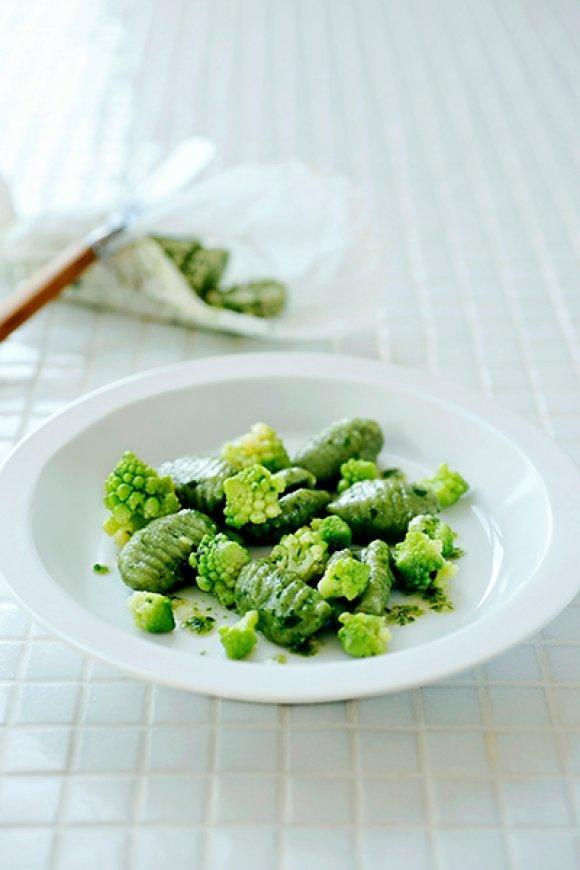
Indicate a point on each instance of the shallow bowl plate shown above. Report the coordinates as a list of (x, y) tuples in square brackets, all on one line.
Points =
[(519, 524)]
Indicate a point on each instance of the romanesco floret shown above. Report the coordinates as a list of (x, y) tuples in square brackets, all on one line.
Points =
[(304, 552), (239, 639), (260, 446), (438, 530), (219, 560), (437, 593), (152, 612), (448, 486), (418, 559), (344, 577), (334, 531), (363, 635), (136, 494), (356, 469), (252, 496)]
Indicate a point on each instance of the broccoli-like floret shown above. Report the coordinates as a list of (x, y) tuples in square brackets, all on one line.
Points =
[(260, 446), (363, 635), (345, 577), (438, 530), (304, 552), (437, 593), (448, 486), (239, 639), (152, 612), (219, 561), (418, 559), (252, 496), (357, 469), (334, 531), (135, 494)]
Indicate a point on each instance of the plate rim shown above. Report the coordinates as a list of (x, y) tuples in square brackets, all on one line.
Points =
[(263, 682)]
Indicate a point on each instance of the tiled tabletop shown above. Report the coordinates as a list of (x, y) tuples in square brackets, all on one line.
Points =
[(459, 120)]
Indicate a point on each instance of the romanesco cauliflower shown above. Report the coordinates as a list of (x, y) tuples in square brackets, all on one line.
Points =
[(438, 530), (239, 639), (357, 469), (334, 531), (304, 552), (446, 485), (219, 560), (344, 577), (136, 494), (363, 635), (252, 496), (152, 612), (260, 446)]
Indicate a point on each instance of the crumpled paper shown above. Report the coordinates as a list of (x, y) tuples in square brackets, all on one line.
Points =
[(281, 221)]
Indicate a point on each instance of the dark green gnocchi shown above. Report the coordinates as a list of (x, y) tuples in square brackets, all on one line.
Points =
[(346, 439), (198, 481)]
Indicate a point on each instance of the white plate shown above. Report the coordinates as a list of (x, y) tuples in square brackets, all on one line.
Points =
[(519, 524)]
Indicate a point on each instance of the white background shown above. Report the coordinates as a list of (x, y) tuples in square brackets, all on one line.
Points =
[(460, 121)]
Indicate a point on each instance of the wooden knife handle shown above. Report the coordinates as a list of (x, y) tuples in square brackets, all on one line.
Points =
[(43, 286)]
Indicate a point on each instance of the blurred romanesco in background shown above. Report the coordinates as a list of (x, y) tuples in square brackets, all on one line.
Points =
[(135, 494)]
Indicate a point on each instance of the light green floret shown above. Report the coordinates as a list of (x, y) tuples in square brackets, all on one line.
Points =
[(260, 446), (355, 470), (438, 530), (239, 639), (152, 612), (448, 486), (135, 494), (334, 531), (252, 497), (422, 568), (303, 552), (345, 577), (363, 635), (219, 560)]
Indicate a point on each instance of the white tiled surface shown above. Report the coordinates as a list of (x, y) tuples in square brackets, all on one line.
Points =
[(460, 121)]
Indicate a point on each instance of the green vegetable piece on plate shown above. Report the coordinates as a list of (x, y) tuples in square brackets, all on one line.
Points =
[(294, 477), (265, 298), (363, 635), (219, 561), (151, 612), (382, 508), (334, 531), (135, 494), (296, 509), (448, 486), (438, 530), (420, 564), (289, 610), (239, 639), (155, 558), (101, 569), (377, 556), (344, 577), (252, 496), (260, 446), (199, 481), (303, 552), (346, 439), (355, 470)]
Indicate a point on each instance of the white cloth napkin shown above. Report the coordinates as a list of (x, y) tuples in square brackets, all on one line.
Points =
[(280, 221)]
